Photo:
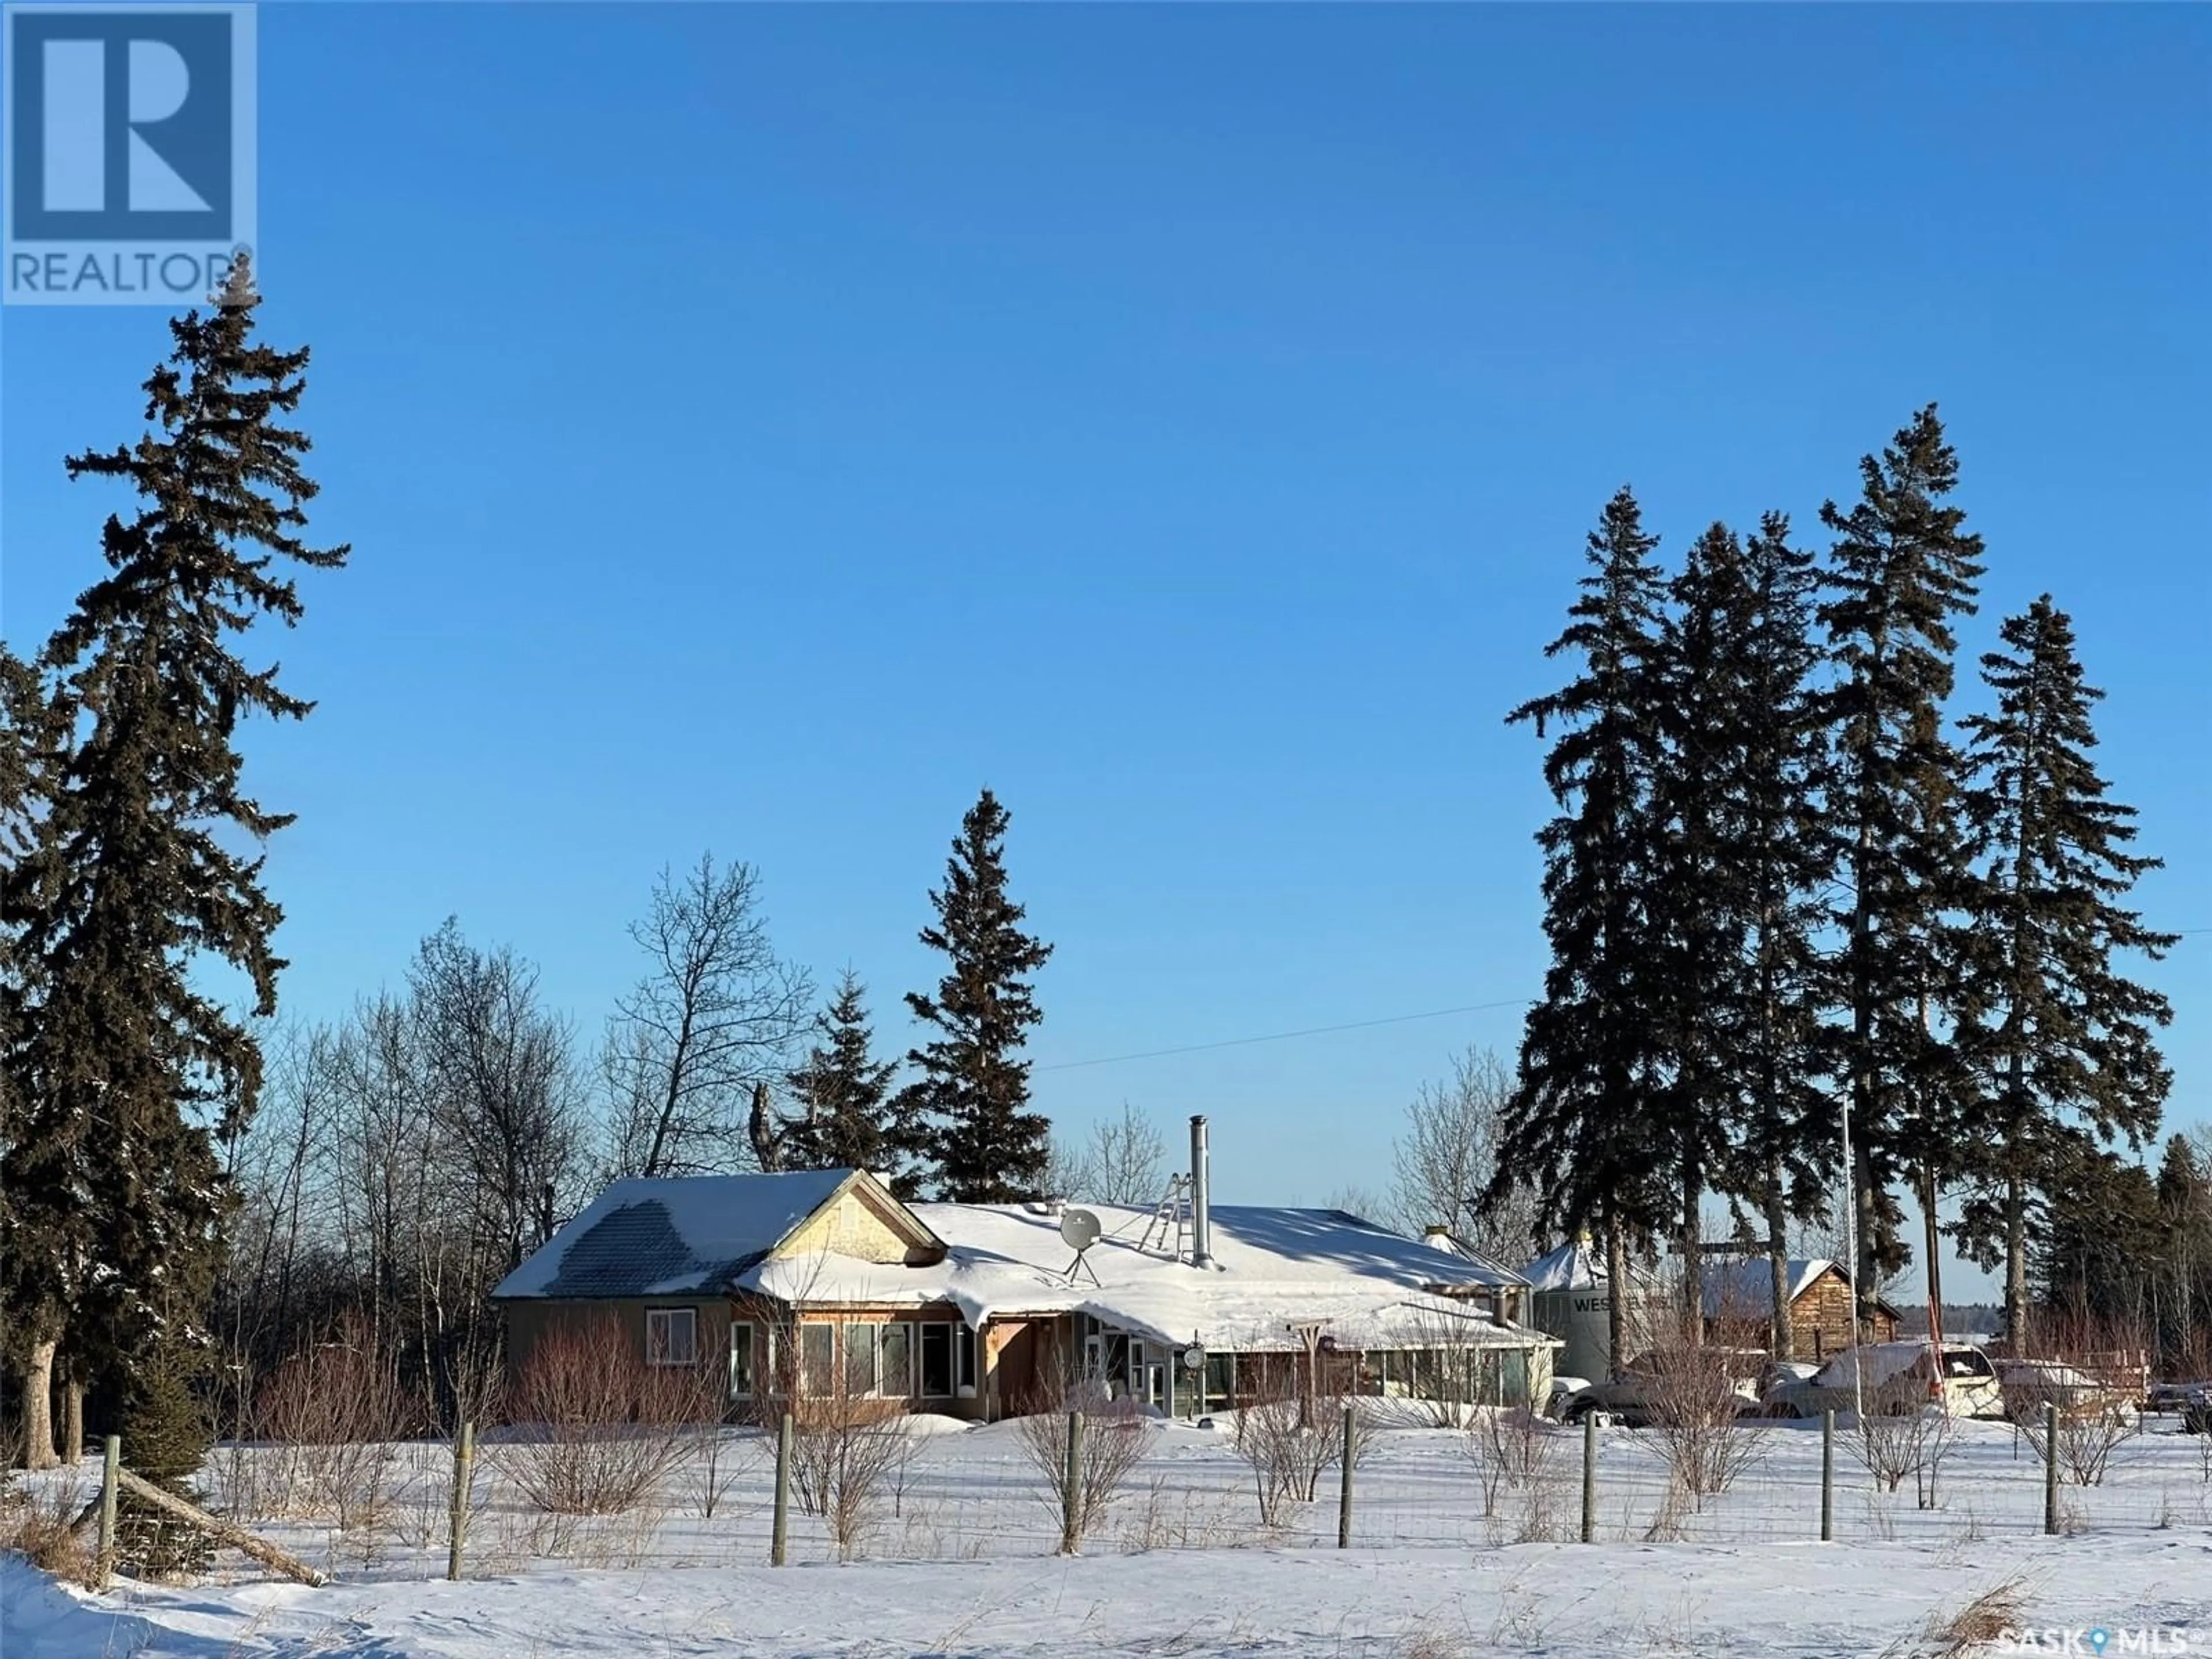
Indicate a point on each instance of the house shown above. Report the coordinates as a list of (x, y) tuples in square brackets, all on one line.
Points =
[(816, 1281), (1740, 1294)]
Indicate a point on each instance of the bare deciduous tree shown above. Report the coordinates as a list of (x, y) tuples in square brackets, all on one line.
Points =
[(500, 1068), (1122, 1161), (1448, 1155), (717, 1013)]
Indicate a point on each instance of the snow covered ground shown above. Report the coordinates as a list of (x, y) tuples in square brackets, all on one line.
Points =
[(1181, 1568)]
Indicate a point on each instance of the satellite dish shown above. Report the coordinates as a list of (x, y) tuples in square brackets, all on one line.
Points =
[(1080, 1231)]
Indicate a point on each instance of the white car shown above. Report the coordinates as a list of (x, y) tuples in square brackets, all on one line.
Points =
[(2031, 1384), (1894, 1379)]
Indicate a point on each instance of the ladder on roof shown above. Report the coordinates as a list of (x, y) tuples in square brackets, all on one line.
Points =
[(1170, 1219)]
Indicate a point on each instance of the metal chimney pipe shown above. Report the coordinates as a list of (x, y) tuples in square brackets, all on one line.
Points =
[(1201, 1196)]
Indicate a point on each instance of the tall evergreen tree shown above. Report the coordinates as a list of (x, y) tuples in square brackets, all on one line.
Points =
[(1743, 864), (2093, 1258), (2065, 1046), (1903, 566), (844, 1094), (2185, 1208), (1694, 897), (127, 1064), (1586, 1126), (31, 745), (985, 1145)]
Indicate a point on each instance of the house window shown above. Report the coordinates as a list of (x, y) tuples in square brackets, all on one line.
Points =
[(861, 1374), (964, 1355), (671, 1336), (818, 1359), (936, 1361), (898, 1361), (741, 1360)]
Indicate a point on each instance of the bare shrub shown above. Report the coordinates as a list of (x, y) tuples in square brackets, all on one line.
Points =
[(1113, 1441), (1174, 1517), (478, 1374), (1691, 1399), (599, 1429), (1290, 1437), (1507, 1447), (724, 1459), (337, 1409), (41, 1529), (2094, 1420), (847, 1446), (1906, 1440)]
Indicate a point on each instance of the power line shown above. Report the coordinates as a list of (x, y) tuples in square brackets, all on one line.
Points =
[(1285, 1036), (1325, 1031)]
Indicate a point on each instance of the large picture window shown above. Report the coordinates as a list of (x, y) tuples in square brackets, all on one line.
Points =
[(671, 1336)]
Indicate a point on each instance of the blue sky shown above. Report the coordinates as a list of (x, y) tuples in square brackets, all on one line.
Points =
[(757, 429)]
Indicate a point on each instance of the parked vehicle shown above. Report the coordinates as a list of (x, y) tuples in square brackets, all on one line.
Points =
[(2194, 1402), (1778, 1372), (1627, 1398), (2029, 1385), (1894, 1379), (2176, 1396), (1564, 1390)]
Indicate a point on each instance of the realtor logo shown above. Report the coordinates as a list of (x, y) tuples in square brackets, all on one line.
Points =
[(130, 151)]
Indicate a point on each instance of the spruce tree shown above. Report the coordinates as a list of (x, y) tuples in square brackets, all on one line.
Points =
[(1902, 568), (146, 869), (2093, 1258), (1737, 898), (1694, 901), (2065, 1045), (844, 1094), (1585, 1126), (985, 1146), (32, 1235)]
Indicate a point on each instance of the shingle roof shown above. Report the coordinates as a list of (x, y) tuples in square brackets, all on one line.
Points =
[(664, 1237)]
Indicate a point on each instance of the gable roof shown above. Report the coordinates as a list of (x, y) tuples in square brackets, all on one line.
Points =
[(1273, 1265), (1747, 1287), (672, 1236)]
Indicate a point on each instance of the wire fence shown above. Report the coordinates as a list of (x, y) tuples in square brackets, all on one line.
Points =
[(929, 1490)]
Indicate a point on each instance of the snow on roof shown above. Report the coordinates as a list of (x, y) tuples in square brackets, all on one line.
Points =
[(1747, 1287), (1573, 1266), (1370, 1288), (1444, 1239), (666, 1236)]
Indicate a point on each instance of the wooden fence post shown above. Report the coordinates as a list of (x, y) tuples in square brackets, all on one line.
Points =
[(457, 1521), (111, 1461), (779, 1546), (1590, 1477), (1827, 1477), (1070, 1488), (2049, 1465), (1344, 1497)]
